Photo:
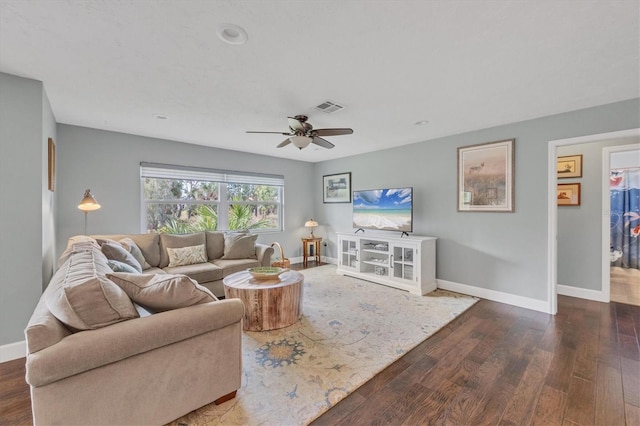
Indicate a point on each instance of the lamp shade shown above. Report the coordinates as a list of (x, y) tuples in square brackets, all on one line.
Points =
[(311, 223), (88, 203), (300, 141)]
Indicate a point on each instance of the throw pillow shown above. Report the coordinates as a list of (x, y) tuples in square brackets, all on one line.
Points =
[(82, 298), (117, 266), (239, 246), (135, 251), (115, 251), (162, 292), (187, 255), (178, 241)]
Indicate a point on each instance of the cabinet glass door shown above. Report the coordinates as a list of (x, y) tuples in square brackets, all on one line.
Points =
[(349, 250), (403, 263)]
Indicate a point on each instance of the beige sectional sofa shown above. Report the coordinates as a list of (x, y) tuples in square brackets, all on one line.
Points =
[(97, 357), (222, 259)]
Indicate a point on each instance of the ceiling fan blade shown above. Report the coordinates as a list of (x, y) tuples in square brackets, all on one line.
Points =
[(322, 142), (295, 125), (275, 133), (285, 142), (332, 132)]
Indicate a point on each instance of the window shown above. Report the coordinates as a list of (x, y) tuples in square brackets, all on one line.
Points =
[(178, 199)]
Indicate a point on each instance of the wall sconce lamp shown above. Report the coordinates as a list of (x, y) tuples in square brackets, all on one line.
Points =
[(311, 224), (87, 205)]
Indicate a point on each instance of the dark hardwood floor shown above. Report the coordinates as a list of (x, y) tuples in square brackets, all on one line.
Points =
[(495, 364)]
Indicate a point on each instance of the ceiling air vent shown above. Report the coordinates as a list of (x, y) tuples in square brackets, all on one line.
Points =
[(329, 107)]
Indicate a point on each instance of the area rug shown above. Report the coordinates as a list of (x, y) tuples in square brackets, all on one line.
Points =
[(350, 330)]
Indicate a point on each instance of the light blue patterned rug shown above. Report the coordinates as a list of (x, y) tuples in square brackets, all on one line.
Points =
[(350, 330)]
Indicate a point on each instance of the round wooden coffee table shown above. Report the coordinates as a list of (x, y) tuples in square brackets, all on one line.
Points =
[(268, 304)]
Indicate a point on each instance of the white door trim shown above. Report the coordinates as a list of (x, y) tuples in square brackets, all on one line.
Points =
[(552, 227)]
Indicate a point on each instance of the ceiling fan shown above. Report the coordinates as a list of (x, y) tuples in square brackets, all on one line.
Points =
[(301, 133)]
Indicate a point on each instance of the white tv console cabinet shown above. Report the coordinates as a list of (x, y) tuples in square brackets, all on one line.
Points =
[(407, 263)]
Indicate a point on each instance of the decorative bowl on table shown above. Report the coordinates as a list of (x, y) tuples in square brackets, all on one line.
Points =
[(266, 272)]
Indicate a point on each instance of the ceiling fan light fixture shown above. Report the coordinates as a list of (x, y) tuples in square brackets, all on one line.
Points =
[(232, 34), (300, 141)]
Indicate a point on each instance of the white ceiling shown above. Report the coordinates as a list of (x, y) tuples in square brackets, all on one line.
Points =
[(462, 65)]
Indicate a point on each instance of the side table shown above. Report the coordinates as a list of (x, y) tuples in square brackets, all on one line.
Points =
[(314, 243)]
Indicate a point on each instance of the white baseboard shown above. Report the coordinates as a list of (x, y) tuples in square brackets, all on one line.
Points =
[(581, 293), (496, 296), (13, 351)]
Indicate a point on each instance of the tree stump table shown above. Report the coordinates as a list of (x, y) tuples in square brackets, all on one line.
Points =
[(268, 303)]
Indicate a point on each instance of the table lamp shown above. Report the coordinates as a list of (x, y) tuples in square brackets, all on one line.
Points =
[(88, 204), (311, 224)]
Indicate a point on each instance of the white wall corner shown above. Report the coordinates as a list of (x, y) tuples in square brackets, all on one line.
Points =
[(496, 296), (582, 293), (13, 351)]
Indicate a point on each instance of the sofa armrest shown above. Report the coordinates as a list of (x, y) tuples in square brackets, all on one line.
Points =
[(90, 349), (264, 253)]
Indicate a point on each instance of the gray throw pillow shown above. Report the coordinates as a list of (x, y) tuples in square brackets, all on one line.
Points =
[(239, 246), (117, 266), (115, 251), (135, 251)]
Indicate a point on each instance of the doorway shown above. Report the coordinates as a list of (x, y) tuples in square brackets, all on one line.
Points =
[(603, 294), (624, 271)]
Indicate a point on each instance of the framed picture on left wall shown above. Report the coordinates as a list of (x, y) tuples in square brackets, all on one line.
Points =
[(51, 165)]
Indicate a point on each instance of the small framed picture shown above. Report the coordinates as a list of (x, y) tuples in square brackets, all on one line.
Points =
[(336, 188), (568, 194), (569, 166)]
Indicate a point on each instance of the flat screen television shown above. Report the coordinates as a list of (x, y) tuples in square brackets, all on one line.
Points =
[(389, 209)]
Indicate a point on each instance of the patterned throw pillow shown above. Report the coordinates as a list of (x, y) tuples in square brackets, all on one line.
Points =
[(187, 255)]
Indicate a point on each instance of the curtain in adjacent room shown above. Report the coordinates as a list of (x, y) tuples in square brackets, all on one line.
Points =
[(625, 218)]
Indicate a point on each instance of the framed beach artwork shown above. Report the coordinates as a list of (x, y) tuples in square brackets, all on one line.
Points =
[(569, 166), (486, 177), (568, 194), (336, 188)]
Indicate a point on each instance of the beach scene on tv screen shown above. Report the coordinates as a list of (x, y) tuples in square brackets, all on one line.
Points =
[(384, 209)]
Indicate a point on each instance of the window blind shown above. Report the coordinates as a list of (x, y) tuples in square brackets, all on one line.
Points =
[(168, 171)]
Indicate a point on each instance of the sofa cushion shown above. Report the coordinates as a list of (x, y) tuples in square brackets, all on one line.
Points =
[(135, 251), (149, 245), (230, 266), (115, 251), (117, 266), (178, 241), (83, 298), (162, 292), (187, 255), (77, 243), (215, 244), (201, 272), (239, 246)]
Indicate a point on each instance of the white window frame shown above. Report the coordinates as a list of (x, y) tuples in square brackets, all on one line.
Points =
[(222, 177)]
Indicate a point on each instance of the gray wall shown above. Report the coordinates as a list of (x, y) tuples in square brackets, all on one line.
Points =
[(506, 252), (580, 227), (49, 128), (26, 122), (109, 164)]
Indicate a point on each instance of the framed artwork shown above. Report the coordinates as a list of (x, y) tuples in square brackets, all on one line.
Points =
[(486, 177), (569, 166), (336, 188), (568, 194), (51, 165)]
